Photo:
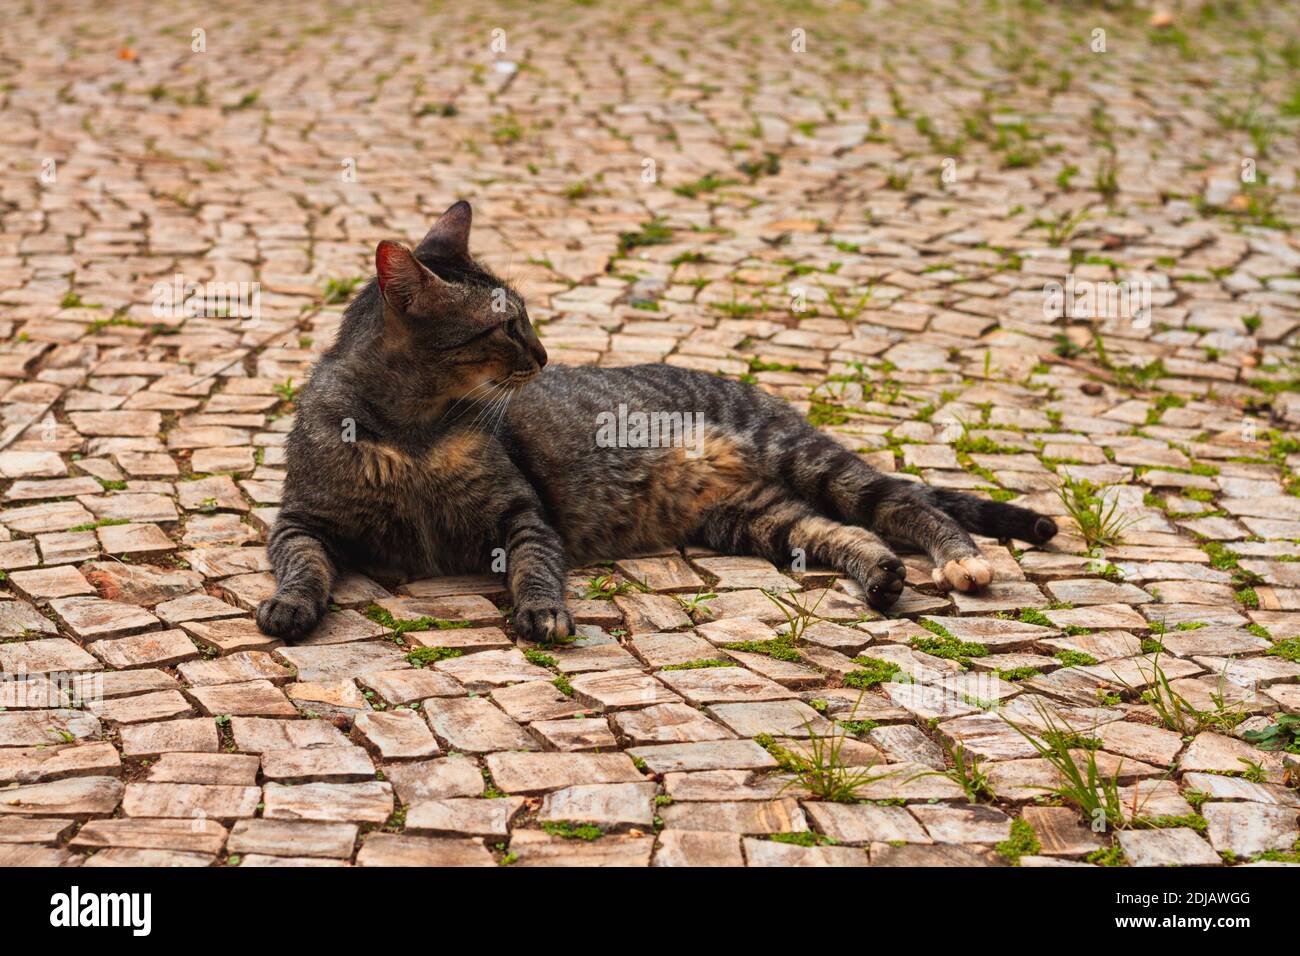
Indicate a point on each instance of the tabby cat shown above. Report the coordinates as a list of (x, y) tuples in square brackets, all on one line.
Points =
[(431, 439)]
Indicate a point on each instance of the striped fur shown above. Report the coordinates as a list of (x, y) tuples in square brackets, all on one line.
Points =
[(466, 450)]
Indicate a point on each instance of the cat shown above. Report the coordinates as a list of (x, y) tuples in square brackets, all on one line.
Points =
[(433, 436)]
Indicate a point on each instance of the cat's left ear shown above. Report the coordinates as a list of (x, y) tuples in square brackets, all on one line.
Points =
[(404, 282), (449, 236)]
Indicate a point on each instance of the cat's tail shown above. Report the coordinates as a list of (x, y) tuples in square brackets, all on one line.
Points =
[(841, 485), (994, 519)]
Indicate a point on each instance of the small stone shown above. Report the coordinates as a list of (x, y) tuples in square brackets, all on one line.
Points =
[(1090, 591), (342, 627), (255, 698), (592, 733), (330, 699), (666, 574), (435, 779), (904, 743), (229, 635), (395, 734), (717, 685), (1141, 742), (536, 700), (134, 858), (651, 613), (709, 755), (93, 617), (620, 689), (467, 816), (42, 763), (32, 728), (391, 849), (1245, 829), (861, 823), (31, 830), (485, 670), (782, 815), (194, 607), (606, 805), (1221, 787), (342, 764), (232, 770), (20, 619), (998, 596), (783, 718), (537, 848), (698, 848), (409, 686), (55, 654), (343, 661), (74, 797), (143, 708), (963, 824), (939, 854), (735, 573), (134, 539), (189, 800), (197, 735), (197, 835), (516, 772), (147, 649), (259, 735), (287, 838), (668, 723), (45, 583), (771, 853), (236, 668), (1060, 831), (1171, 846), (474, 725), (370, 802)]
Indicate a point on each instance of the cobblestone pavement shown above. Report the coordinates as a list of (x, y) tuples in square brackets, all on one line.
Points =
[(859, 208)]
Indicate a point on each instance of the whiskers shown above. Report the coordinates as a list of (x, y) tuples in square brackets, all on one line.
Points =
[(480, 393), (491, 407)]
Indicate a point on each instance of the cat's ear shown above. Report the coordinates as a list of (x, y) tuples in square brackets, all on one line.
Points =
[(449, 236), (404, 282)]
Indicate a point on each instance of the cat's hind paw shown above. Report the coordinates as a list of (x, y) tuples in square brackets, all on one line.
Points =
[(967, 574), (544, 622)]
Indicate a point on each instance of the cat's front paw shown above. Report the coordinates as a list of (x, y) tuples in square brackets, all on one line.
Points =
[(966, 574), (289, 616), (543, 621)]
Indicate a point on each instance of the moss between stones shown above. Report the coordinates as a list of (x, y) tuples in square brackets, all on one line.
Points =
[(873, 672), (1022, 841)]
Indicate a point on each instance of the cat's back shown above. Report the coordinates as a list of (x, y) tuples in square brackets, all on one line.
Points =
[(569, 406), (633, 455), (584, 391)]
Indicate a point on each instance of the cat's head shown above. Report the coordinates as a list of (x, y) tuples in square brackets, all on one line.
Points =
[(451, 325)]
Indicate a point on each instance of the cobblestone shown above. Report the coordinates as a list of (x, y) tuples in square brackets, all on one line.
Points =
[(866, 227)]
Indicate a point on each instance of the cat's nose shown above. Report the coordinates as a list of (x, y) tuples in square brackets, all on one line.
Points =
[(538, 353)]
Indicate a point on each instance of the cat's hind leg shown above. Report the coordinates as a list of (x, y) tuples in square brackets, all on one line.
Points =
[(934, 521), (994, 519), (765, 520), (902, 512)]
